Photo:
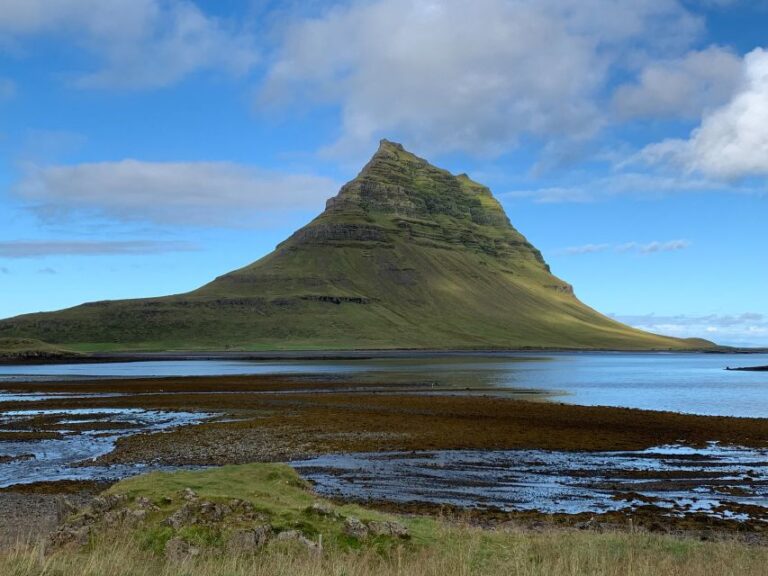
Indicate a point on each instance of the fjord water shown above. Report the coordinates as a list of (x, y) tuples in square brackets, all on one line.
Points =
[(679, 382)]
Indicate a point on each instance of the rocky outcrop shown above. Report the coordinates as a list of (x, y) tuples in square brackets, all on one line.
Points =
[(237, 526), (360, 530), (330, 233)]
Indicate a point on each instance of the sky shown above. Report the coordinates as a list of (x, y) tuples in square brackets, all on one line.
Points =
[(148, 146)]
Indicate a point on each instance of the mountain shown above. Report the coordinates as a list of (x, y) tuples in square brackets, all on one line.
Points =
[(405, 256)]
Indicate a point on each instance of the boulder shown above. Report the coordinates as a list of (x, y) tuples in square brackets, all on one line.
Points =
[(183, 516), (322, 509), (143, 502), (390, 528), (354, 528), (248, 540), (69, 535), (212, 512), (288, 535), (102, 504), (178, 550)]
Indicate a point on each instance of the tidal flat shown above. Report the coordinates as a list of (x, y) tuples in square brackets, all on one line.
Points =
[(182, 422)]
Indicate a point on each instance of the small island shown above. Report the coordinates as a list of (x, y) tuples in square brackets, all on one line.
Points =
[(748, 369)]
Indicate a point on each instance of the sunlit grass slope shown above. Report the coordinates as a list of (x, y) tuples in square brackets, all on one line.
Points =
[(29, 348), (405, 256)]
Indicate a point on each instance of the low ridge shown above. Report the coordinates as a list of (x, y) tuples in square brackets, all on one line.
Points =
[(407, 255)]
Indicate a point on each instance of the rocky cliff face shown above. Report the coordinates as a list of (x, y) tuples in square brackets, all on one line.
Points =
[(398, 194), (406, 255)]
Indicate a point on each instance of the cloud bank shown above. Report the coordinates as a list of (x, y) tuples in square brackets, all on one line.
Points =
[(475, 77), (748, 329), (630, 247), (140, 43), (732, 141), (38, 249), (187, 193), (681, 88)]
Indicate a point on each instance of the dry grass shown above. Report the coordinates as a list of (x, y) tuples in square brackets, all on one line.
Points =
[(457, 550)]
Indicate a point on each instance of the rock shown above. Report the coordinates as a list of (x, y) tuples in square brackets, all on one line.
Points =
[(212, 512), (178, 550), (321, 509), (354, 528), (18, 458), (182, 517), (102, 504), (64, 509), (143, 502), (80, 520), (287, 535), (136, 517), (115, 517), (310, 545), (248, 540), (189, 494), (296, 536), (67, 535), (263, 533), (241, 506), (394, 529)]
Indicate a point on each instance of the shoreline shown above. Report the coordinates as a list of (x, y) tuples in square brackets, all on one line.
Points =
[(330, 355)]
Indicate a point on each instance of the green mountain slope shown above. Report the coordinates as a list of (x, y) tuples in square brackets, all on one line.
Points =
[(405, 256), (23, 349)]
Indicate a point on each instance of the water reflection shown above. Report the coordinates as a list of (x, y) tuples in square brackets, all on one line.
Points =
[(692, 383)]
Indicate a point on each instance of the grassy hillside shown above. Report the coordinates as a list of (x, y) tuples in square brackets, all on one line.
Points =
[(129, 533), (405, 256), (14, 349)]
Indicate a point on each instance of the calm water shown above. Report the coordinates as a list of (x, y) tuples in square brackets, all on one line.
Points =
[(693, 383)]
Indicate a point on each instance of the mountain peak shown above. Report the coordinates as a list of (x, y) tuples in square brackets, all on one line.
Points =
[(398, 183), (386, 144)]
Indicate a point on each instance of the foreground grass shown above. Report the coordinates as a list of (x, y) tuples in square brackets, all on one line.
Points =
[(456, 550), (435, 547)]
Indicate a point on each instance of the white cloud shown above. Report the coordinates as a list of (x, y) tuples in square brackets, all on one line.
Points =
[(587, 249), (748, 329), (38, 249), (732, 141), (655, 246), (683, 87), (143, 43), (633, 247), (195, 193), (637, 184), (471, 76)]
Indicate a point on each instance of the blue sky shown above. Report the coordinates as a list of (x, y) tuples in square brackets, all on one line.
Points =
[(147, 146)]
